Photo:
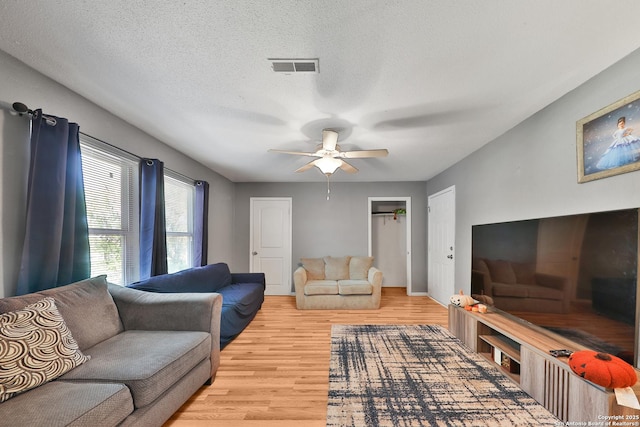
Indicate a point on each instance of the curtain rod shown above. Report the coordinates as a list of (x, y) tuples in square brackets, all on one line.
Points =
[(187, 178), (22, 109)]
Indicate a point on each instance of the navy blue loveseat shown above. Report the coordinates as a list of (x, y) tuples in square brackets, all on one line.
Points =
[(242, 293)]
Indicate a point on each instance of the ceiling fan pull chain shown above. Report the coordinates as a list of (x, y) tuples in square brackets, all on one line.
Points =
[(328, 189)]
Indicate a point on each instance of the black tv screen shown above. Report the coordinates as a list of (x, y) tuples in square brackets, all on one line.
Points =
[(575, 276)]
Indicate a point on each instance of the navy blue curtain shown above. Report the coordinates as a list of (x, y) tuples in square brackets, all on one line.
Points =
[(56, 244), (153, 235), (201, 227)]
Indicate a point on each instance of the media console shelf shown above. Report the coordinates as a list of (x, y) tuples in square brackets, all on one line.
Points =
[(502, 351), (523, 355)]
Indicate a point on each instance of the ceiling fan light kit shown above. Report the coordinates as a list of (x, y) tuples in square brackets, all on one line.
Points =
[(328, 165)]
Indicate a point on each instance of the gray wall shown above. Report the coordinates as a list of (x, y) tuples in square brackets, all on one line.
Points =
[(21, 83), (335, 227), (531, 170)]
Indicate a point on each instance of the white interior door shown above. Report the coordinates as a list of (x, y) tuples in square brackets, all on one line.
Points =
[(271, 242), (442, 228)]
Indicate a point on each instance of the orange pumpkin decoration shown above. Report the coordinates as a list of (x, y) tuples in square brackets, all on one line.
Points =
[(603, 369)]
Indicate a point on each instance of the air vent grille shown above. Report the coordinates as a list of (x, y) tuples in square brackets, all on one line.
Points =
[(290, 66)]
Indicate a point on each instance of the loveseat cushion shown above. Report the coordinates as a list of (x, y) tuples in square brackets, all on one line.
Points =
[(509, 290), (501, 271), (148, 362), (62, 403), (37, 347), (208, 278), (86, 307), (526, 291), (354, 287), (321, 287), (359, 267), (545, 293), (525, 273), (314, 267), (336, 268)]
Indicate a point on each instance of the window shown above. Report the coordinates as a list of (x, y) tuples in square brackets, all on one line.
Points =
[(111, 193), (111, 180), (179, 198)]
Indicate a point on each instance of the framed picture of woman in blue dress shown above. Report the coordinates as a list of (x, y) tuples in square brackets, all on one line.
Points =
[(608, 141)]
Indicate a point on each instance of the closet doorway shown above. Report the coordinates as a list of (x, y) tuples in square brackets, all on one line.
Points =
[(390, 239)]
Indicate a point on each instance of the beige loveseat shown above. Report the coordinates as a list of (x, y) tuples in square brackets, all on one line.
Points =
[(517, 286), (337, 283)]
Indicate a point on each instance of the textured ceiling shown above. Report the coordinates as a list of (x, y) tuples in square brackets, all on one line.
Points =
[(430, 80)]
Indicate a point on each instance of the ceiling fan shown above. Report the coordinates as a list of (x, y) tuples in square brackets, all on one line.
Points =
[(330, 158)]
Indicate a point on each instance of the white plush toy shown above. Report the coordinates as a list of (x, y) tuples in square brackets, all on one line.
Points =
[(461, 300)]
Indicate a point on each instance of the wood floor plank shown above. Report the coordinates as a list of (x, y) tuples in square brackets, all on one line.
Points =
[(276, 373)]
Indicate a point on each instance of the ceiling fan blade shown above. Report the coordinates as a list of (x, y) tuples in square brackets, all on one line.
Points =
[(364, 153), (306, 167), (296, 153), (348, 168), (329, 139)]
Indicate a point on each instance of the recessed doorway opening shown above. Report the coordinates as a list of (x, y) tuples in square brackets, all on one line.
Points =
[(390, 239)]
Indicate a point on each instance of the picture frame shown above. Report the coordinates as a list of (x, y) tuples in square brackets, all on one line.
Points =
[(605, 146)]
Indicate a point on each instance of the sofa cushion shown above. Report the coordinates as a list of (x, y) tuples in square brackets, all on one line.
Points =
[(359, 267), (336, 268), (314, 267), (543, 292), (524, 272), (321, 287), (84, 404), (508, 290), (86, 307), (501, 271), (354, 287), (208, 278), (526, 291), (35, 347), (148, 362)]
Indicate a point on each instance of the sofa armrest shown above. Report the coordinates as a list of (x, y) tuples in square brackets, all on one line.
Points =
[(481, 281), (249, 278), (375, 277), (140, 310), (299, 281), (550, 281)]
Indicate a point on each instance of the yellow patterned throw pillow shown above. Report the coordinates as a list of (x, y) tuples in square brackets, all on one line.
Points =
[(35, 347)]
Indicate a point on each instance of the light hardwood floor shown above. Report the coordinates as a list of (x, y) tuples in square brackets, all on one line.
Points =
[(276, 373)]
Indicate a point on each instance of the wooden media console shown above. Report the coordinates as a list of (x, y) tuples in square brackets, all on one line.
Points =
[(522, 353)]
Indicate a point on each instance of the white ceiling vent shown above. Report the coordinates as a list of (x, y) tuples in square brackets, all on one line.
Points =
[(290, 66)]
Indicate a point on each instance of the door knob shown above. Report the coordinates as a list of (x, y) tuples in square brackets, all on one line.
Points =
[(254, 253), (450, 256)]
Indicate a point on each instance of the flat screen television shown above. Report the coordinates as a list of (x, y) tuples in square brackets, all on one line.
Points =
[(574, 277)]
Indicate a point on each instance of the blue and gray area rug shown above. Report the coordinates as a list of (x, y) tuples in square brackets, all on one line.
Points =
[(420, 375)]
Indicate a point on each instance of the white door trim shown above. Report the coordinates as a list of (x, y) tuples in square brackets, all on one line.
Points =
[(289, 200), (407, 201)]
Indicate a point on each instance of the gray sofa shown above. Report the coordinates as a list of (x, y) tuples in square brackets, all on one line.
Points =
[(148, 354)]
